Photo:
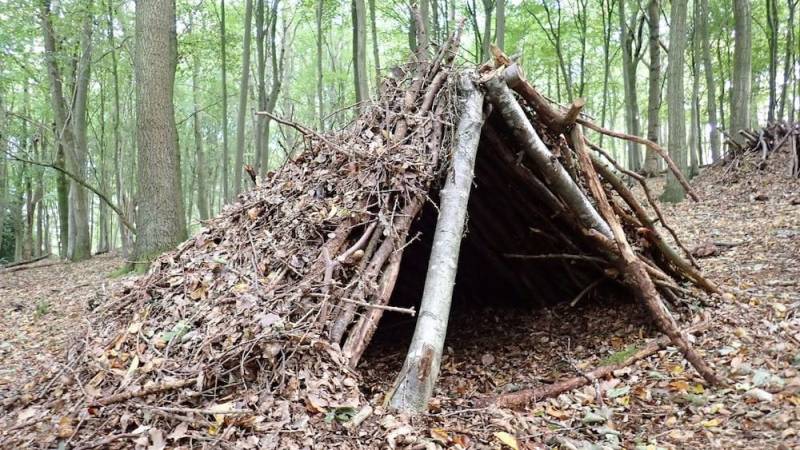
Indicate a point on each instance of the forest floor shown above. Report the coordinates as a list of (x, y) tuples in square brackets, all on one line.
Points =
[(753, 224)]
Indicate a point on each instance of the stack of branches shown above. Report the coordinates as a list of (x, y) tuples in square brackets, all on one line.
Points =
[(766, 142), (276, 297)]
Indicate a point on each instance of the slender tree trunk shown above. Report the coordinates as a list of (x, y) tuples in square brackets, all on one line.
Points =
[(488, 7), (629, 81), (650, 167), (80, 242), (788, 61), (261, 62), (676, 119), (200, 158), (500, 24), (103, 243), (242, 113), (606, 10), (375, 52), (65, 139), (160, 222), (742, 69), (224, 69), (3, 167), (124, 233), (360, 53), (773, 28), (277, 63), (696, 138), (320, 99), (713, 125)]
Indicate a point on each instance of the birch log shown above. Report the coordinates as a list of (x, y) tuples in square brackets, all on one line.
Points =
[(553, 172), (414, 384)]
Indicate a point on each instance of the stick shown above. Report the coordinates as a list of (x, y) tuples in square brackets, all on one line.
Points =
[(650, 144), (158, 388), (558, 256), (523, 398), (634, 269)]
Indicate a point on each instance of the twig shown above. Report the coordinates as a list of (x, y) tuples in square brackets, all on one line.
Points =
[(161, 387)]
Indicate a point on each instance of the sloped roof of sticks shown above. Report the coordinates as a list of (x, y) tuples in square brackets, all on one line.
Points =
[(262, 316)]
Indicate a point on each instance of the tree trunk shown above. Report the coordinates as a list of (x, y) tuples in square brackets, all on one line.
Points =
[(124, 233), (713, 125), (788, 61), (80, 241), (160, 219), (742, 69), (607, 8), (650, 167), (773, 28), (416, 380), (696, 138), (676, 119), (488, 6), (261, 89), (375, 52), (320, 99), (277, 63), (200, 158), (3, 167), (242, 113), (629, 80), (500, 24), (224, 69), (360, 53)]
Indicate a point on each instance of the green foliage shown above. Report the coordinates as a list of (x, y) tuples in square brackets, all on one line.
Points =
[(620, 356), (42, 308)]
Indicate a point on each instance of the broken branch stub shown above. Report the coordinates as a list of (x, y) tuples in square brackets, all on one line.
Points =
[(414, 385)]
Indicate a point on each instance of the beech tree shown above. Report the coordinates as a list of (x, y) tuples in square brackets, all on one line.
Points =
[(160, 219), (676, 110)]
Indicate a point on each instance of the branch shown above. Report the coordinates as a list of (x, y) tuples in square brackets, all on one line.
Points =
[(78, 180)]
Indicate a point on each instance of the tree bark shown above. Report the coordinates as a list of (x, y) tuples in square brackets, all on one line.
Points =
[(711, 90), (320, 99), (629, 81), (788, 61), (414, 385), (742, 70), (552, 171), (125, 239), (80, 242), (676, 119), (160, 218), (242, 113), (500, 24), (488, 7), (360, 53), (200, 158), (695, 136), (224, 69), (375, 53), (773, 28), (650, 167), (261, 89)]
